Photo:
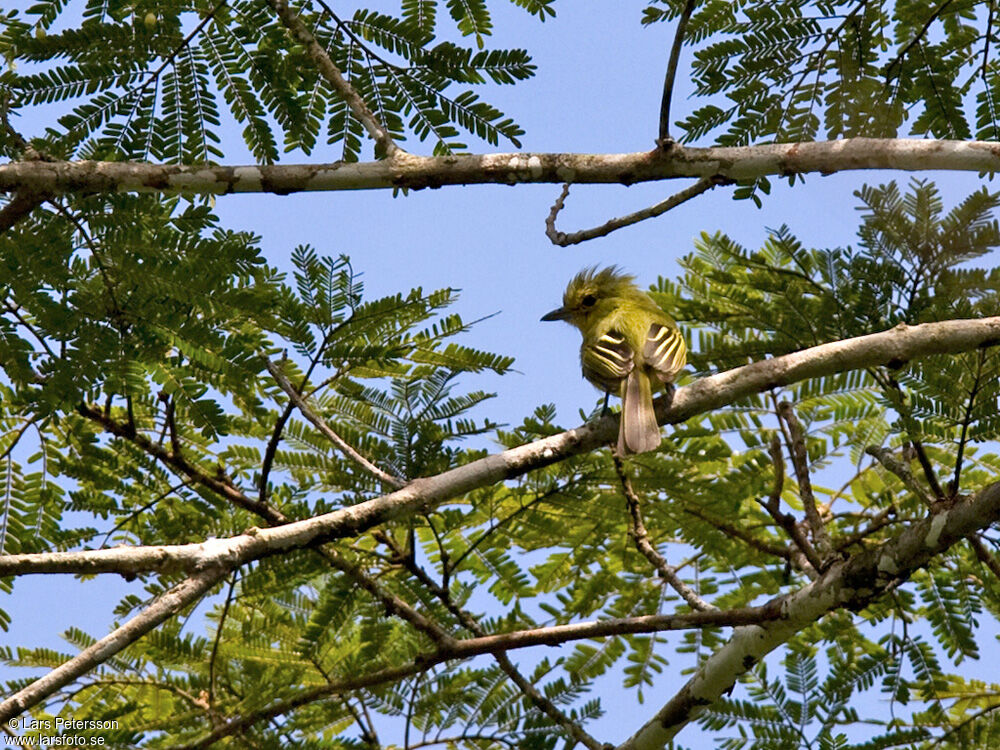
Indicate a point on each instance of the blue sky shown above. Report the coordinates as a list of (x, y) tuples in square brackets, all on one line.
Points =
[(597, 90)]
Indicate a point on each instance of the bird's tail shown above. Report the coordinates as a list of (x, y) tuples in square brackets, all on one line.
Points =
[(638, 432)]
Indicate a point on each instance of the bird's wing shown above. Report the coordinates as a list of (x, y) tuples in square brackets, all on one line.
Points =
[(664, 351), (607, 361)]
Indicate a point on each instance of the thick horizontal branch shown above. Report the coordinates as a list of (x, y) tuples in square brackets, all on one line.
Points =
[(500, 643), (416, 172), (851, 584), (893, 347), (129, 560)]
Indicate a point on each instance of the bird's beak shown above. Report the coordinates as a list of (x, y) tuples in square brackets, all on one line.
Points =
[(560, 313)]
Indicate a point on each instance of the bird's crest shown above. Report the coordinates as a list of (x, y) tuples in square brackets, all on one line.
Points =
[(606, 282)]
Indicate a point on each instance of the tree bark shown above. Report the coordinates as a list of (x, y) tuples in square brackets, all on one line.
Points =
[(404, 170), (852, 584)]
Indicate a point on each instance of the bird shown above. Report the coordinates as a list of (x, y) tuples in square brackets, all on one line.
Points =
[(630, 347)]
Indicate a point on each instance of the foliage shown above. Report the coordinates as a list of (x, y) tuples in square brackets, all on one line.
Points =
[(159, 81), (794, 70), (151, 81), (800, 70), (134, 400), (137, 406)]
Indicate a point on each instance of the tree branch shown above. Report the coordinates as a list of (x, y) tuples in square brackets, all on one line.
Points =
[(392, 603), (880, 521), (898, 344), (895, 393), (320, 424), (915, 40), (851, 584), (498, 644), (163, 607), (985, 556), (966, 422), (800, 462), (416, 172), (22, 203), (571, 727), (885, 457), (221, 486), (735, 532), (240, 724), (637, 530), (805, 558), (664, 140), (210, 698), (564, 240), (332, 75)]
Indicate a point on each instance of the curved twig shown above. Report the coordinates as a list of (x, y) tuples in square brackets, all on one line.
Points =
[(563, 239)]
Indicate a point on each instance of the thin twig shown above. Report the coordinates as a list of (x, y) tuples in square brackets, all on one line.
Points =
[(895, 393), (272, 449), (221, 485), (91, 243), (808, 560), (975, 716), (884, 518), (320, 424), (929, 473), (155, 75), (142, 509), (15, 310), (637, 530), (984, 68), (664, 140), (740, 534), (392, 603), (888, 460), (215, 643), (452, 566), (966, 422), (272, 444), (17, 438), (984, 555), (572, 728), (800, 462), (331, 73), (564, 240), (916, 39)]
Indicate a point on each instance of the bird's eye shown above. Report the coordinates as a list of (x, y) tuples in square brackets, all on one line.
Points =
[(589, 300)]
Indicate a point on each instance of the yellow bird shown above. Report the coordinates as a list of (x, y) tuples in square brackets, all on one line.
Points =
[(630, 346)]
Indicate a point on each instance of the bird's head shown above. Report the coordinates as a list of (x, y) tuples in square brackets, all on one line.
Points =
[(592, 292)]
